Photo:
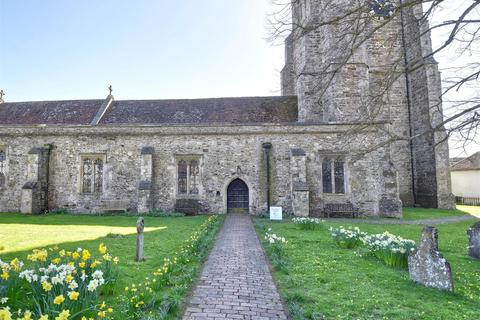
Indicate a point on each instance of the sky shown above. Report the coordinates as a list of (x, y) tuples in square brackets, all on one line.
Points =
[(150, 49), (66, 49)]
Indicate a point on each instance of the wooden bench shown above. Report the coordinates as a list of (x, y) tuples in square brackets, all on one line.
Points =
[(340, 209), (114, 206)]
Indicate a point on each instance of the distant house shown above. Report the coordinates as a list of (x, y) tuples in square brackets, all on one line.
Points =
[(465, 174)]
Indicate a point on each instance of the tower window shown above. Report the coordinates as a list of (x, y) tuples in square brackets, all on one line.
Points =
[(3, 167)]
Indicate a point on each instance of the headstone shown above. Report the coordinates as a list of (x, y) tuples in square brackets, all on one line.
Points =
[(140, 227), (426, 264), (474, 241), (276, 213)]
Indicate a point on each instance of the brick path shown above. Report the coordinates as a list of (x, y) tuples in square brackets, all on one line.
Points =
[(236, 282)]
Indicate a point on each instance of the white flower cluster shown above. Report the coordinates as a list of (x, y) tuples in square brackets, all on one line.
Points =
[(388, 241), (63, 274), (307, 220), (347, 233), (272, 238)]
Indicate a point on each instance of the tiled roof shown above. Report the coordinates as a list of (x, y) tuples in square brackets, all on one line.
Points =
[(193, 111), (203, 111), (470, 163), (49, 112)]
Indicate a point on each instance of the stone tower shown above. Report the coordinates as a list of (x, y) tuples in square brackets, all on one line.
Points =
[(373, 68)]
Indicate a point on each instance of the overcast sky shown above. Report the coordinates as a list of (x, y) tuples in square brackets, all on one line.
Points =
[(66, 49)]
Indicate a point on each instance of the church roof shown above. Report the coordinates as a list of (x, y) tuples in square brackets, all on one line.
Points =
[(49, 112), (280, 109)]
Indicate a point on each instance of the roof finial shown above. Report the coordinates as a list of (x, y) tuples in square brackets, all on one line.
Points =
[(2, 94), (110, 88)]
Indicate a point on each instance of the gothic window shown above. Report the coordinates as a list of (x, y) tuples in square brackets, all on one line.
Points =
[(188, 176), (92, 174), (3, 167), (333, 175)]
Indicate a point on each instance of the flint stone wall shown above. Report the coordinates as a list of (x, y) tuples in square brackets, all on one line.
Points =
[(226, 152)]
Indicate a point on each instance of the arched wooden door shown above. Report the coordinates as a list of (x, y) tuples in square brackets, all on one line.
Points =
[(237, 197)]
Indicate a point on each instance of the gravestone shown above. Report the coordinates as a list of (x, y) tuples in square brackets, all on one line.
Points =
[(474, 241), (140, 227), (426, 264)]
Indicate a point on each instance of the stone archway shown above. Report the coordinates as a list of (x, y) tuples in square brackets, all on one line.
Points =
[(237, 197)]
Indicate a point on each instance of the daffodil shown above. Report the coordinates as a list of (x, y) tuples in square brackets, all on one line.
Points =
[(47, 286), (59, 299), (5, 314), (64, 315), (73, 295), (102, 248)]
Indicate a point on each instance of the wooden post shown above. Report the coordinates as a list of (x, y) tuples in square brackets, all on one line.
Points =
[(140, 227)]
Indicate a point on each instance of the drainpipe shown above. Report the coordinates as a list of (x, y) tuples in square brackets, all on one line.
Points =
[(266, 150), (409, 105), (48, 148)]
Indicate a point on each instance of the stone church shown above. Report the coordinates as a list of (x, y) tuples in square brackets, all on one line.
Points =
[(311, 147)]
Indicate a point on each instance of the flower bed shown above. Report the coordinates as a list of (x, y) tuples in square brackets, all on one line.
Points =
[(57, 284), (162, 292), (389, 248), (308, 223), (350, 237)]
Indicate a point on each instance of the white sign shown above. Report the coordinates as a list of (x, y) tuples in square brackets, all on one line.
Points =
[(276, 213)]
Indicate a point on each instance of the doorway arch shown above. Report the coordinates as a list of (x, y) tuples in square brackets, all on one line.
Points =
[(237, 197)]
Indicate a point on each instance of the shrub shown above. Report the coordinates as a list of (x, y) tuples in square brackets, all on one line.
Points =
[(57, 284), (389, 248), (350, 237), (308, 223)]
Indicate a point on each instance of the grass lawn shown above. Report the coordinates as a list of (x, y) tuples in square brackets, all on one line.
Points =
[(163, 236), (420, 213), (323, 281)]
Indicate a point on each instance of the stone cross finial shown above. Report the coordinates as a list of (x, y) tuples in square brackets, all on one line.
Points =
[(140, 227), (110, 89), (2, 94)]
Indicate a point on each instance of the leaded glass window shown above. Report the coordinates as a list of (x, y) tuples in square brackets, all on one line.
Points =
[(182, 177), (327, 175), (188, 176), (333, 175), (92, 174), (194, 172)]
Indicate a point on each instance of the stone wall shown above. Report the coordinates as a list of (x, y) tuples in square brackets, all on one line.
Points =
[(226, 153)]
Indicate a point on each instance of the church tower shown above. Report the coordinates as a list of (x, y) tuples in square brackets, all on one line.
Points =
[(364, 64)]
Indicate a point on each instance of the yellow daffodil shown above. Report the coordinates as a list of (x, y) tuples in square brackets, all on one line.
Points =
[(81, 264), (5, 275), (44, 317), (75, 255), (62, 253), (116, 260), (27, 315), (85, 255), (58, 299), (73, 295), (47, 286), (56, 260), (68, 278), (102, 248), (64, 315), (5, 314)]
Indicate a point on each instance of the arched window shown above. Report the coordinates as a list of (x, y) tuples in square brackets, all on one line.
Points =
[(92, 174)]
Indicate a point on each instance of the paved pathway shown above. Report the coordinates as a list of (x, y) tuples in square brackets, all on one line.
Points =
[(236, 282)]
